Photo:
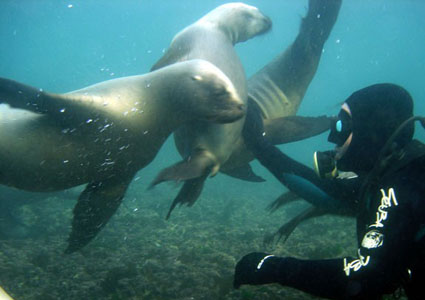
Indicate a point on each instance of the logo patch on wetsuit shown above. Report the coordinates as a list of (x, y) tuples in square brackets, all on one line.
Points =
[(372, 239)]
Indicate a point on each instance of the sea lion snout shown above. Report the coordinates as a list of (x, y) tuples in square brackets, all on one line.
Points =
[(216, 94), (232, 114), (227, 110), (229, 107)]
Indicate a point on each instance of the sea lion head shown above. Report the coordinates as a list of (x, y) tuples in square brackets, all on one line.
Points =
[(210, 95), (239, 21)]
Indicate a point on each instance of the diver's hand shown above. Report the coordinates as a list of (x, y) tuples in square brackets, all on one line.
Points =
[(256, 268)]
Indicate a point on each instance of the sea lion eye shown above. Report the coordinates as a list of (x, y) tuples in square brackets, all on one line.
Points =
[(197, 77)]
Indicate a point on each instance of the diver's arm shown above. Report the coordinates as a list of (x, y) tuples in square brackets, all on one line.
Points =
[(327, 193), (269, 155), (378, 268)]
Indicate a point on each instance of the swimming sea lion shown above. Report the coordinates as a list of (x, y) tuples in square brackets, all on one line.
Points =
[(205, 146), (279, 87), (103, 134)]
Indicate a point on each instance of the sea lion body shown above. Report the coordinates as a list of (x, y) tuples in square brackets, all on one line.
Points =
[(103, 134), (205, 146)]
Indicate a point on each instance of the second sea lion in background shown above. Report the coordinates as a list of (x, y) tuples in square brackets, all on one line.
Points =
[(206, 146), (279, 87)]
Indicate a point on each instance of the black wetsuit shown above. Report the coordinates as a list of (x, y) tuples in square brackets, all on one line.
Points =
[(391, 229)]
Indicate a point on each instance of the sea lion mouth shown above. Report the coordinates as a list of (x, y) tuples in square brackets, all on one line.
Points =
[(229, 115), (267, 27)]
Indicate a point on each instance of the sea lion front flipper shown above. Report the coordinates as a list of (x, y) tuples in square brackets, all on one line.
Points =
[(189, 193), (279, 87), (295, 128), (244, 172), (96, 205)]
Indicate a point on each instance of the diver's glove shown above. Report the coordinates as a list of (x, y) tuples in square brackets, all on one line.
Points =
[(257, 268)]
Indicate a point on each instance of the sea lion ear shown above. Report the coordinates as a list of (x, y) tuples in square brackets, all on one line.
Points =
[(197, 77)]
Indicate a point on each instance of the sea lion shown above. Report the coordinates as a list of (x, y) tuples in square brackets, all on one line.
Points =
[(277, 91), (206, 146), (279, 87), (103, 134)]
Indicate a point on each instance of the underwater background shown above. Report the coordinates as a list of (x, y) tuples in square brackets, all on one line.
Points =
[(61, 46)]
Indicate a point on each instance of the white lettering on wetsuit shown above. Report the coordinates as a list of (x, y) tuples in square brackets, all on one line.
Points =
[(386, 202), (260, 264), (355, 264), (373, 238)]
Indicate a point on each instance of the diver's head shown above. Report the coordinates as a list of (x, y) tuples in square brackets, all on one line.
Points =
[(366, 121)]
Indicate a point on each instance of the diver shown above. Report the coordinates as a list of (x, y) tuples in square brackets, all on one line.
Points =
[(374, 138)]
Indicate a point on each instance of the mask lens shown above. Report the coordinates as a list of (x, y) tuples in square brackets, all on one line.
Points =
[(338, 126), (341, 129)]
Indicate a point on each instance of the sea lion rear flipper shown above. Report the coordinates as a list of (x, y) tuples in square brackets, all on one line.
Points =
[(96, 205), (295, 128), (193, 167), (244, 172), (189, 193), (286, 198), (286, 229), (22, 96)]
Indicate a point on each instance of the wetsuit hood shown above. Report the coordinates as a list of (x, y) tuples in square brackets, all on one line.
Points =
[(376, 112)]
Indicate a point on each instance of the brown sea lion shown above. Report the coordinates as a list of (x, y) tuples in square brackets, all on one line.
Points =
[(206, 146), (103, 134)]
